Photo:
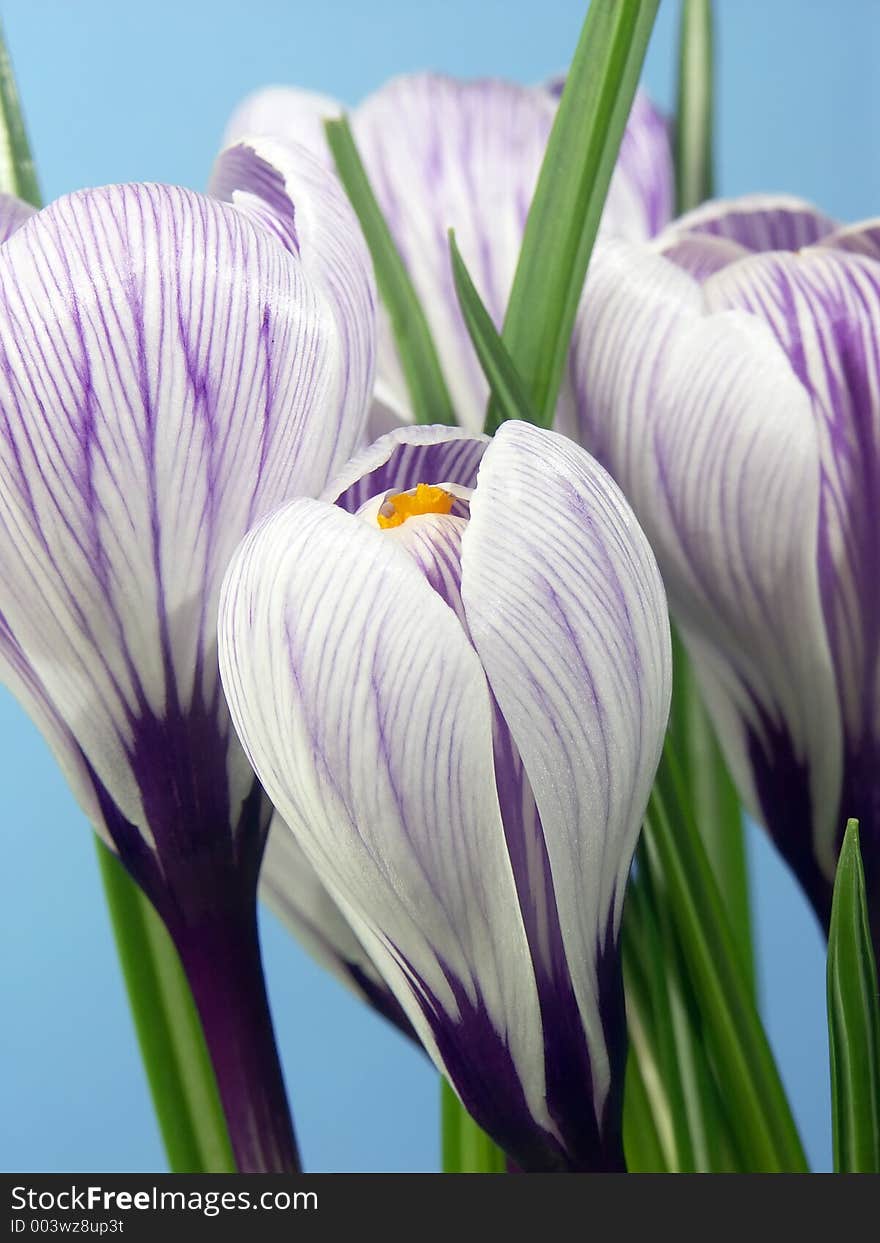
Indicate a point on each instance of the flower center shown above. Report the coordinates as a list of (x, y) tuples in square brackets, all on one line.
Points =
[(423, 499)]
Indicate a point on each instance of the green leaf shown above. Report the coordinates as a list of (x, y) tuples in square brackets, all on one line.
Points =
[(17, 173), (641, 1138), (714, 803), (467, 1149), (760, 1116), (178, 1068), (567, 205), (507, 386), (853, 1018), (421, 367), (693, 129)]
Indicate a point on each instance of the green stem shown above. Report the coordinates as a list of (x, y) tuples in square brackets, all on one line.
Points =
[(467, 1149), (17, 173), (694, 120), (169, 1033)]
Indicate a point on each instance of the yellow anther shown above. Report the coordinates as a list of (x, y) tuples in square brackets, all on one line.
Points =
[(424, 499)]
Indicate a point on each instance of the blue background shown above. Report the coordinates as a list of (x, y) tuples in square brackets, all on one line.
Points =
[(118, 92)]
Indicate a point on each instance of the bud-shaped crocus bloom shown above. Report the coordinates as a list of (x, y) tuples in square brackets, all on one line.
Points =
[(172, 367), (456, 697), (443, 153), (730, 381)]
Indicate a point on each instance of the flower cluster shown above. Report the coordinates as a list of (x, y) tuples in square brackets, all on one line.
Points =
[(238, 585)]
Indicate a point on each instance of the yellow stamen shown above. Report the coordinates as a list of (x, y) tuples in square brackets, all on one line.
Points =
[(424, 499)]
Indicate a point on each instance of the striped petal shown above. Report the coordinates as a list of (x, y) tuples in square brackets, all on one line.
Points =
[(860, 239), (284, 112), (291, 888), (756, 222), (444, 154), (567, 612), (712, 437), (168, 373), (13, 214), (367, 716), (287, 190), (404, 458), (823, 306)]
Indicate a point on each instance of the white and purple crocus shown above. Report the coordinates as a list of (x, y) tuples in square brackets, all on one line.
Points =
[(444, 153), (452, 676), (729, 377), (173, 366)]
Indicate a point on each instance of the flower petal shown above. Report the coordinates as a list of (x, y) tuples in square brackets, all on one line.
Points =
[(167, 376), (568, 615), (287, 113), (444, 154), (286, 189), (17, 676), (710, 434), (13, 214), (861, 239), (404, 458), (757, 222), (823, 305), (641, 195), (290, 887), (367, 716)]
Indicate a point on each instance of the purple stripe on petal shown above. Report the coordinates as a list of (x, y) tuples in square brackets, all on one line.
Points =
[(757, 222), (403, 459), (13, 214), (824, 307), (859, 239)]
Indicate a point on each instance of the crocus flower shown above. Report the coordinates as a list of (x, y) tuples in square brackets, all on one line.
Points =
[(172, 367), (730, 380), (455, 692), (444, 153)]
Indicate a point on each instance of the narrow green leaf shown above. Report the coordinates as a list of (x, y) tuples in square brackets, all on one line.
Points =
[(450, 1130), (664, 1033), (693, 129), (641, 1139), (764, 1129), (467, 1149), (421, 366), (507, 386), (853, 1018), (169, 1033), (714, 803), (567, 206), (17, 173), (714, 799)]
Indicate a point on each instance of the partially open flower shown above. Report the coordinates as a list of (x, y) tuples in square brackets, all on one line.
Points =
[(172, 367), (454, 684), (728, 375), (445, 153)]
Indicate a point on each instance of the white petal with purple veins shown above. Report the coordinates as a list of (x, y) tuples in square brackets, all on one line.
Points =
[(444, 154), (404, 458), (287, 113), (712, 437), (757, 222), (168, 373), (861, 239), (284, 188), (13, 214), (824, 307), (366, 714), (567, 612)]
